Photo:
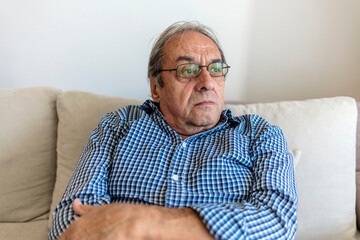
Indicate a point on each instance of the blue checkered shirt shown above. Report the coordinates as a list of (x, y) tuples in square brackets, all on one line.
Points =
[(238, 176)]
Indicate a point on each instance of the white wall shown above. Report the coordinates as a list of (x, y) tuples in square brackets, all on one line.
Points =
[(303, 49), (277, 49), (103, 46)]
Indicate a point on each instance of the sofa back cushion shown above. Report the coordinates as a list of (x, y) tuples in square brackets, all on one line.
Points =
[(27, 152), (79, 113)]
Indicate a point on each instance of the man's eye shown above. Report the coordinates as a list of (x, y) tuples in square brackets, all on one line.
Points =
[(215, 69), (187, 71)]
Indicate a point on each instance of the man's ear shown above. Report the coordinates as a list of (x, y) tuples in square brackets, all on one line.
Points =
[(154, 90)]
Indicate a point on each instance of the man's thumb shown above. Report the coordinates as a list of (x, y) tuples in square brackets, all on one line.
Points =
[(79, 208)]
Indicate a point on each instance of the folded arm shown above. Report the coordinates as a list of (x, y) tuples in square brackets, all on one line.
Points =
[(131, 221)]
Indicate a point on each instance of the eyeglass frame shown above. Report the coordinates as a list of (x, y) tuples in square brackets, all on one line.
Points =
[(200, 66)]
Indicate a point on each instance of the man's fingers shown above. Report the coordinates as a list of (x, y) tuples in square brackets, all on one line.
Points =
[(79, 208)]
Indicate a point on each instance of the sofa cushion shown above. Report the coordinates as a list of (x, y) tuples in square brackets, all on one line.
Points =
[(33, 230), (79, 113), (28, 152), (324, 131)]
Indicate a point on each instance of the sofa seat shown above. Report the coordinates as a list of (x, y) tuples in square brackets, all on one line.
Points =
[(24, 230)]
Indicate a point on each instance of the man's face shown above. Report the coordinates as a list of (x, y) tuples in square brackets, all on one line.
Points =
[(193, 106)]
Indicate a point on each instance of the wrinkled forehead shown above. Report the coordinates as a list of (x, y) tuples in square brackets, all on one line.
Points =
[(190, 44)]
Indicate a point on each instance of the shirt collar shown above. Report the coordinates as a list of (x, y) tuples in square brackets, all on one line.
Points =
[(149, 106), (227, 113)]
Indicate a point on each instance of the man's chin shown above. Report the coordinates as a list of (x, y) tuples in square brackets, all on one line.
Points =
[(208, 121)]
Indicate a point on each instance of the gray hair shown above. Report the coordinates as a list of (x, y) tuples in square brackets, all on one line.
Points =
[(157, 52)]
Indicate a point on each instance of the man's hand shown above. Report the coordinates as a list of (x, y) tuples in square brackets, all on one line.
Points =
[(132, 221)]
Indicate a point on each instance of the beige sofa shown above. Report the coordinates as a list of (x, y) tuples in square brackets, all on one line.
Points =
[(43, 131)]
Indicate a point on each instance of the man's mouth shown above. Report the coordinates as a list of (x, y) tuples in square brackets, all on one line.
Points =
[(205, 103)]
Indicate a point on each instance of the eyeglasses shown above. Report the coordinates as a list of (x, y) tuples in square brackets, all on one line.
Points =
[(192, 70)]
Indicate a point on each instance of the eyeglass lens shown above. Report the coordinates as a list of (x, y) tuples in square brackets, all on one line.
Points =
[(190, 70)]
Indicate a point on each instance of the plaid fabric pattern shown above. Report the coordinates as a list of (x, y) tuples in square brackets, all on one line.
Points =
[(239, 176)]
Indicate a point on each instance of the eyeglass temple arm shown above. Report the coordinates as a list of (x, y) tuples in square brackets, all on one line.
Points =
[(161, 70)]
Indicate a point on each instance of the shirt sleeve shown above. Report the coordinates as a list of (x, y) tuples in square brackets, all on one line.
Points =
[(89, 180), (270, 210)]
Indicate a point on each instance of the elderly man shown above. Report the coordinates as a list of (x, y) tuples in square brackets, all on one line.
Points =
[(179, 167)]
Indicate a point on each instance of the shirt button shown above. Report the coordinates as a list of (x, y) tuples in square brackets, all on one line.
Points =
[(184, 144), (175, 177)]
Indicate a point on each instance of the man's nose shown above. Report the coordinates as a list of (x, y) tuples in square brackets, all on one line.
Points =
[(204, 82)]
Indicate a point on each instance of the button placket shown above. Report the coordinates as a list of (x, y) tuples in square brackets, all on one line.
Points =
[(174, 187)]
